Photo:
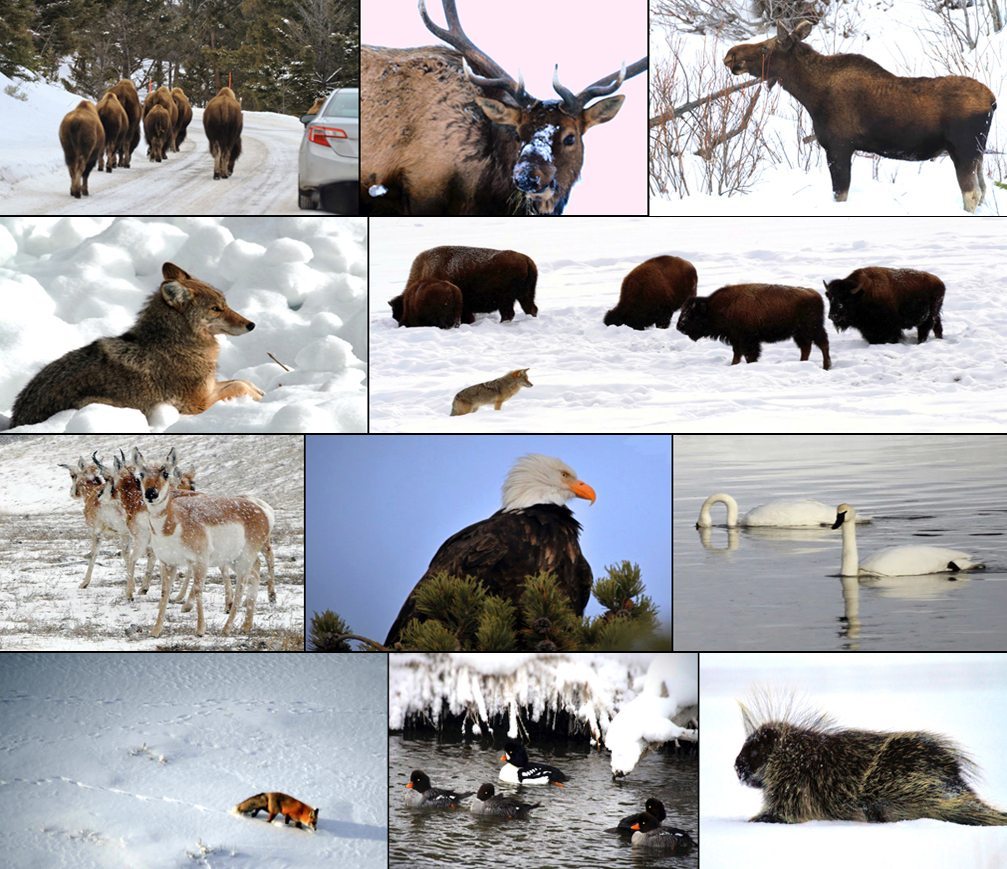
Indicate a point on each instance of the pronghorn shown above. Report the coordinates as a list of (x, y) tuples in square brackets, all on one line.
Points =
[(124, 490), (100, 512), (204, 531)]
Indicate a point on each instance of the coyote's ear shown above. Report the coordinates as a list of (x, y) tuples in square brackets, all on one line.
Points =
[(172, 272), (175, 294)]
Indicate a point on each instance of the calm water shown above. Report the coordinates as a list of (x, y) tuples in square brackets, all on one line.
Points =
[(567, 831), (762, 589)]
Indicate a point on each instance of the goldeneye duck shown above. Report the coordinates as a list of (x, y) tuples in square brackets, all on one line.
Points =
[(519, 770), (653, 807), (423, 796), (651, 836), (499, 806)]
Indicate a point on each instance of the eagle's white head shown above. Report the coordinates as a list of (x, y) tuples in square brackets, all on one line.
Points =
[(537, 479)]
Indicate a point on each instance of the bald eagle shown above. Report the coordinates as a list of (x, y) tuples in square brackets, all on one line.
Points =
[(534, 531)]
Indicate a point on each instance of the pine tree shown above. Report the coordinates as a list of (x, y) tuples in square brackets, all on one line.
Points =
[(17, 52), (327, 629)]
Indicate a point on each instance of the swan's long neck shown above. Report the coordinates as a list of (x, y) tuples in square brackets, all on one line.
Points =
[(720, 498), (851, 562)]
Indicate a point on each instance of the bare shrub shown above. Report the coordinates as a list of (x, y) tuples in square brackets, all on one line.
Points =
[(735, 18)]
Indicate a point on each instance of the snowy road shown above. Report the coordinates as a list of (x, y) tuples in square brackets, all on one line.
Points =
[(264, 180)]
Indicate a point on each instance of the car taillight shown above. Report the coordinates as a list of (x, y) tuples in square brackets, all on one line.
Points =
[(320, 135)]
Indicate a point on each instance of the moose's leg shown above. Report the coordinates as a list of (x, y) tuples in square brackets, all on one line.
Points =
[(839, 169), (969, 172)]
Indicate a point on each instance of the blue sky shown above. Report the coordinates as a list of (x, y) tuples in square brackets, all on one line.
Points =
[(379, 506)]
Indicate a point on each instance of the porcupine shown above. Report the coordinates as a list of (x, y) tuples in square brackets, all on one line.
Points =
[(810, 769)]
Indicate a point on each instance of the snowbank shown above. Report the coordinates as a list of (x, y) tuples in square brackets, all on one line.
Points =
[(627, 700), (302, 280)]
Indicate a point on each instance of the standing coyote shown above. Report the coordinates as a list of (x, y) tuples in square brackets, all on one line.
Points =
[(170, 355), (494, 392), (280, 804)]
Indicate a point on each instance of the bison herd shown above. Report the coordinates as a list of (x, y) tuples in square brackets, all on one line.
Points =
[(448, 285), (108, 133)]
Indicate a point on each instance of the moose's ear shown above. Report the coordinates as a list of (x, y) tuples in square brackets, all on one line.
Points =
[(802, 30), (603, 111), (499, 113)]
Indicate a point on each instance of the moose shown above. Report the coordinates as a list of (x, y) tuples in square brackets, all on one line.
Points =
[(857, 105), (449, 131)]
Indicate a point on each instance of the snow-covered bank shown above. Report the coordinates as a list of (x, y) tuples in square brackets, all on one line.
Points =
[(302, 280), (34, 178), (589, 377), (626, 701), (137, 760)]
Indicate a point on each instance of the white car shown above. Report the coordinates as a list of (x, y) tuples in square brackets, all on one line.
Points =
[(328, 166)]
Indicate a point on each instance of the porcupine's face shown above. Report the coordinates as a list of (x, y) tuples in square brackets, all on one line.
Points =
[(751, 761)]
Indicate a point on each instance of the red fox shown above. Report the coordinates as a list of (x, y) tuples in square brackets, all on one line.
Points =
[(280, 804)]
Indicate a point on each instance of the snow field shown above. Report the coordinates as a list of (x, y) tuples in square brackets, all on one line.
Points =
[(591, 378), (301, 280)]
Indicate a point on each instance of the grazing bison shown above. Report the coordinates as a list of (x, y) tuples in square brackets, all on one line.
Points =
[(745, 315), (857, 105), (83, 139), (222, 123), (125, 92), (449, 131), (489, 280), (115, 123), (156, 129), (881, 302), (652, 292), (184, 115), (428, 303)]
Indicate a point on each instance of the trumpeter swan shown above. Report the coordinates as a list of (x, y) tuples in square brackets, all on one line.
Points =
[(896, 560), (782, 514)]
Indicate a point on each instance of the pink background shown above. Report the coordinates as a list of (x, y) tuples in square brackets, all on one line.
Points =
[(587, 40)]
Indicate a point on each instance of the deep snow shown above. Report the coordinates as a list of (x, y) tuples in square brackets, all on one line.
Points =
[(589, 377), (960, 696), (907, 39), (34, 178), (302, 280), (45, 544), (116, 760)]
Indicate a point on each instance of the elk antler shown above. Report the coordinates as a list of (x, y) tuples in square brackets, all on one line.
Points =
[(574, 104), (473, 56)]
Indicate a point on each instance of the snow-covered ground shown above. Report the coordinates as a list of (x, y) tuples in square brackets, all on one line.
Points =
[(138, 760), (34, 178), (45, 544), (626, 701), (302, 280), (960, 696), (589, 377), (907, 38)]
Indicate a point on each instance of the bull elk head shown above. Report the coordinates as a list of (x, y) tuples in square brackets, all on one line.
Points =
[(549, 132)]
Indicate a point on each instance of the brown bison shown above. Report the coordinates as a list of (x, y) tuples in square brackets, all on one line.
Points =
[(489, 280), (222, 123), (428, 303), (449, 131), (745, 315), (83, 139), (125, 92), (115, 123), (857, 105), (162, 97), (881, 302), (652, 292), (156, 129), (184, 115)]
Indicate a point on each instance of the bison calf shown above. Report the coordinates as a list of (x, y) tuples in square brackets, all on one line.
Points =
[(83, 139), (880, 303), (745, 315), (652, 292), (222, 122), (428, 303), (489, 280)]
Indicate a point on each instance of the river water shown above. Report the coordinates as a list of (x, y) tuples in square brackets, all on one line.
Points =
[(566, 831), (780, 589)]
